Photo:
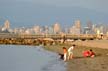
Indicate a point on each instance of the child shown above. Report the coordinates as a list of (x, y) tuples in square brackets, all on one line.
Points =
[(70, 52), (61, 56), (88, 53), (65, 53), (92, 54)]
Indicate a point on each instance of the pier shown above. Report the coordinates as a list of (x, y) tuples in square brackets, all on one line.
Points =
[(10, 38)]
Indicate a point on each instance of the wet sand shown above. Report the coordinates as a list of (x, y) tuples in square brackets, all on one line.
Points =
[(79, 63)]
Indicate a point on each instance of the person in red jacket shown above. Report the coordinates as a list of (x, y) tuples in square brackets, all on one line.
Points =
[(88, 53)]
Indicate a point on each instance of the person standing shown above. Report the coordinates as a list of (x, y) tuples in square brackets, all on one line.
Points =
[(70, 52), (65, 53)]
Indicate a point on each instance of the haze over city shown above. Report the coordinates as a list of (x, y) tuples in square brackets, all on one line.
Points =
[(47, 12), (53, 35)]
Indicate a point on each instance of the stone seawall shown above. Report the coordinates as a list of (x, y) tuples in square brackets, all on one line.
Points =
[(19, 41)]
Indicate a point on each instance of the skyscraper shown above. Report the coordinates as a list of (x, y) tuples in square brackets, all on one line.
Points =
[(57, 28), (78, 24), (74, 30), (89, 24), (36, 29), (77, 27), (7, 24), (89, 28)]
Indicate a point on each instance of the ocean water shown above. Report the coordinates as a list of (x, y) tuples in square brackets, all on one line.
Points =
[(29, 58)]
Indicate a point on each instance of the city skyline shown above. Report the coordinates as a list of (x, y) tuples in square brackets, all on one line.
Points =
[(34, 12), (57, 28)]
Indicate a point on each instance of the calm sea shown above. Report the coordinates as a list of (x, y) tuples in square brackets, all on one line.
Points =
[(29, 58)]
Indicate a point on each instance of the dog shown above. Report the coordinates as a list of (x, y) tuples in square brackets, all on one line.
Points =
[(61, 56)]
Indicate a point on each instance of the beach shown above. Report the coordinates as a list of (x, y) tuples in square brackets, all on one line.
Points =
[(79, 63), (46, 58), (93, 43)]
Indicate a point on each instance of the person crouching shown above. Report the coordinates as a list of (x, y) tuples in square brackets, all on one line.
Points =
[(65, 53)]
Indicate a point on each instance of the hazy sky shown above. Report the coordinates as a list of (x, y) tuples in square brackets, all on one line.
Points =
[(97, 5), (30, 12)]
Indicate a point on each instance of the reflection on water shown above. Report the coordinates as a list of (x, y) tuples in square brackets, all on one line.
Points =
[(28, 58)]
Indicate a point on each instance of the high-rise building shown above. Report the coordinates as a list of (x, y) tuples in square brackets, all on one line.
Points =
[(74, 30), (78, 24), (57, 28), (36, 29), (51, 30), (7, 24), (87, 30), (46, 30), (89, 24)]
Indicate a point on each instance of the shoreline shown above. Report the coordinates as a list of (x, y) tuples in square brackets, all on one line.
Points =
[(79, 63), (28, 58)]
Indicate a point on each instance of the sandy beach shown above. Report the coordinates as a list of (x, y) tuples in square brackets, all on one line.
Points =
[(93, 43), (79, 63)]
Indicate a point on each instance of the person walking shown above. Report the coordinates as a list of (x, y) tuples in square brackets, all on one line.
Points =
[(70, 52)]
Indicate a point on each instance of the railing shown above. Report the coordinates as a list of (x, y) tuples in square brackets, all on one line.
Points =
[(53, 36)]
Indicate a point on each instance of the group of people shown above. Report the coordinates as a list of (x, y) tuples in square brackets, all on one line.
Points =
[(68, 53)]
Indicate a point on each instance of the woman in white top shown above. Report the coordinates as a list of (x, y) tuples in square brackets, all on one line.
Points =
[(70, 52)]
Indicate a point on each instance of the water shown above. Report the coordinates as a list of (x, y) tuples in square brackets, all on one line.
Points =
[(29, 58)]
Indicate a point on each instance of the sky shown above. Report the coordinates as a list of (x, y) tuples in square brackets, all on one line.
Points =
[(47, 12)]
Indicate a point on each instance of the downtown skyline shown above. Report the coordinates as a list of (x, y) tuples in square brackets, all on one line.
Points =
[(56, 28)]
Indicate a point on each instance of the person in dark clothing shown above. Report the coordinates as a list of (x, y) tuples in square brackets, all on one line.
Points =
[(61, 56)]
